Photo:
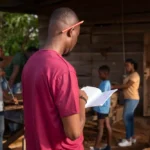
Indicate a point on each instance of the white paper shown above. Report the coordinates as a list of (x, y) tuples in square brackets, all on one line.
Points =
[(96, 97)]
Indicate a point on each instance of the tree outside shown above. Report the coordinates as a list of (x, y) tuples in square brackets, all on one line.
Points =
[(18, 31)]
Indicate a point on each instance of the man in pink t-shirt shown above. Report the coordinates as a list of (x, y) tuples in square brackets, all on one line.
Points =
[(54, 107)]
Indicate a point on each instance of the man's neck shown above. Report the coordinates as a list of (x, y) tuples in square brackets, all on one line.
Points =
[(55, 46)]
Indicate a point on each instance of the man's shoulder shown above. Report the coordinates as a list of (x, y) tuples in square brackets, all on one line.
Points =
[(68, 66), (50, 60), (62, 64)]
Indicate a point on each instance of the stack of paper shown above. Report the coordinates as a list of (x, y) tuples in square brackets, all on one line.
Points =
[(96, 97)]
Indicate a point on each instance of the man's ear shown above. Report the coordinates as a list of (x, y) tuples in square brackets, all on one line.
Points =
[(69, 33)]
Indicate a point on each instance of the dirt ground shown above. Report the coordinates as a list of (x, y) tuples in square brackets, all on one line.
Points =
[(142, 133), (142, 130)]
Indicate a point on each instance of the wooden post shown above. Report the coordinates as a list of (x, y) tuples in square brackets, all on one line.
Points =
[(146, 74), (24, 144), (43, 28)]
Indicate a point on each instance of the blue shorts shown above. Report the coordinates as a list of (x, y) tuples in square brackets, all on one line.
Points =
[(102, 116)]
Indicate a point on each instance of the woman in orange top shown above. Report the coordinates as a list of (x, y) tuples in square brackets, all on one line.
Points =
[(130, 89)]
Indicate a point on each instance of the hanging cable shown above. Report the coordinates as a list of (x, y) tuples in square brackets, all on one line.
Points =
[(123, 39)]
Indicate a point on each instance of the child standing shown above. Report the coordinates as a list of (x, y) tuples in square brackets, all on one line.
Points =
[(103, 111)]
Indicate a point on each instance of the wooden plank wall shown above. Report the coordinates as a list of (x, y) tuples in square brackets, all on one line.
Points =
[(87, 65), (43, 28), (99, 45), (96, 49), (102, 45), (146, 74), (105, 48)]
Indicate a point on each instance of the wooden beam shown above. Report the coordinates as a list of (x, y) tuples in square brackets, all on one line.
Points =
[(146, 66), (11, 102), (96, 19), (13, 107), (117, 130), (10, 3), (13, 138), (116, 29)]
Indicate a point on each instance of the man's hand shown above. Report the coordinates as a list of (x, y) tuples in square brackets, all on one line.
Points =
[(83, 94)]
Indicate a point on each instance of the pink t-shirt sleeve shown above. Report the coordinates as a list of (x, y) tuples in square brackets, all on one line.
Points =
[(67, 94)]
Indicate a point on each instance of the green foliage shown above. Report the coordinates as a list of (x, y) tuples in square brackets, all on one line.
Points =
[(18, 31)]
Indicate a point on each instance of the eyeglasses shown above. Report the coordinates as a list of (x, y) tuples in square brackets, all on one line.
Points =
[(77, 24)]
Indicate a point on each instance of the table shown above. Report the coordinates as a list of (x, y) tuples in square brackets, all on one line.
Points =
[(19, 133)]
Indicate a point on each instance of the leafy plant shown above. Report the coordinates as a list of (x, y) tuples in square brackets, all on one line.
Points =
[(18, 31)]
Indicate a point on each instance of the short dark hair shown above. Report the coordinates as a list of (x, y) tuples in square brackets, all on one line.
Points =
[(134, 63), (61, 14), (61, 18), (104, 68), (32, 49)]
